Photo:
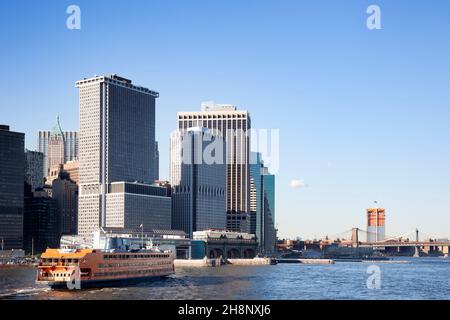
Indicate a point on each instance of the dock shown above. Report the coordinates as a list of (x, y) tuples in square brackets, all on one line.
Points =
[(252, 262), (201, 263), (307, 261), (197, 263)]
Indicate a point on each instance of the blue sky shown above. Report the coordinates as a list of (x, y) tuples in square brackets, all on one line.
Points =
[(363, 115)]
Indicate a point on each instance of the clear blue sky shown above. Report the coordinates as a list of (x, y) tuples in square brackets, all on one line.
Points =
[(363, 115)]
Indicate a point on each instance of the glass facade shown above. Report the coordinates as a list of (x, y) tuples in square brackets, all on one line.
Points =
[(12, 176), (199, 188), (117, 143), (256, 196)]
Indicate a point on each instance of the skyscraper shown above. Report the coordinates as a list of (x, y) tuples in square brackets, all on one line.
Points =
[(198, 180), (269, 237), (56, 146), (156, 161), (34, 171), (12, 176), (376, 220), (70, 139), (117, 142), (256, 197), (65, 192), (234, 126), (42, 228)]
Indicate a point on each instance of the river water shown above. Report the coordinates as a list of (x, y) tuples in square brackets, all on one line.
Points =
[(419, 278)]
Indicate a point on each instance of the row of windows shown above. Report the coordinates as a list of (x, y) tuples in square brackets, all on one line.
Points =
[(133, 272), (135, 256), (211, 191), (214, 116), (132, 264), (56, 275), (235, 125), (61, 261)]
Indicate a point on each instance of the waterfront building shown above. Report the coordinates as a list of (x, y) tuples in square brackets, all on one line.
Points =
[(126, 239), (235, 127), (41, 221), (376, 222), (12, 176), (34, 170), (199, 184), (223, 244), (70, 152), (65, 192), (117, 144), (15, 256)]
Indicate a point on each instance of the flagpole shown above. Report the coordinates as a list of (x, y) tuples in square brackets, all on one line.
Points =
[(142, 235)]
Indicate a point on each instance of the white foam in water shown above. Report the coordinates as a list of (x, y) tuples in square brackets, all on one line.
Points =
[(23, 292)]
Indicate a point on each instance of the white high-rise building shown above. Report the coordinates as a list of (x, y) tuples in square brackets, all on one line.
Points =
[(117, 144), (235, 127)]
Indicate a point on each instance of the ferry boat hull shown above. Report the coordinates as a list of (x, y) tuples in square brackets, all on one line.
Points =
[(86, 268), (89, 284)]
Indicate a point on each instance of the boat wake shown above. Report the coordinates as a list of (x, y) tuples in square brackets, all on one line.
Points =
[(20, 293)]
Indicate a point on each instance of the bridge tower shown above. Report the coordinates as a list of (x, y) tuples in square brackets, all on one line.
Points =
[(355, 237)]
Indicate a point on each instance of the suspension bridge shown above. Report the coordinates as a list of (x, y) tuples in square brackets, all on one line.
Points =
[(420, 241)]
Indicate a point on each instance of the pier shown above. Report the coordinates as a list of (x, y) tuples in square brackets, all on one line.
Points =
[(307, 261)]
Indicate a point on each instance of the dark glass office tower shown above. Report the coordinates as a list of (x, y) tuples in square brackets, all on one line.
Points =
[(12, 177)]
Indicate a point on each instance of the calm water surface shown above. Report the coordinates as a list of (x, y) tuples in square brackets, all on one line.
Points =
[(423, 278)]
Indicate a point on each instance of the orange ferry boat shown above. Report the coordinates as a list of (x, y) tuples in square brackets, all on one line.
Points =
[(62, 268)]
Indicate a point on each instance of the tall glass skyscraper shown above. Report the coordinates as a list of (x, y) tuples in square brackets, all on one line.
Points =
[(12, 177), (199, 185), (269, 240), (256, 196), (117, 144), (262, 204), (34, 172), (235, 127)]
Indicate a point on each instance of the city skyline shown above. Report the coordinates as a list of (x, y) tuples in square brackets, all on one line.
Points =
[(343, 144)]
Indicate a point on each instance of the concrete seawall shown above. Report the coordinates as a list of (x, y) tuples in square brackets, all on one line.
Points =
[(180, 263), (200, 263), (251, 262), (307, 261)]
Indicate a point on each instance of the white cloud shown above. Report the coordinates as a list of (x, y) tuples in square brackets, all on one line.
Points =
[(297, 184)]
